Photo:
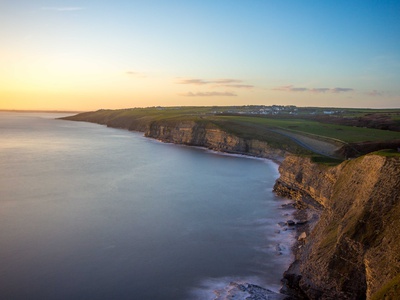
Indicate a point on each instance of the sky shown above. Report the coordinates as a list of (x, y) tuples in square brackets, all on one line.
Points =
[(97, 54)]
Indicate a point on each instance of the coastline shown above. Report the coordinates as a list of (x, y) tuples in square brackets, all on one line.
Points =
[(254, 290), (305, 217), (331, 260), (238, 286)]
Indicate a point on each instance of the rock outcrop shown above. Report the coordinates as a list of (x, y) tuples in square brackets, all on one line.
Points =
[(248, 291), (353, 251)]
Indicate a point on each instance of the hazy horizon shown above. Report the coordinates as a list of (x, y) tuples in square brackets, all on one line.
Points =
[(172, 106), (84, 55)]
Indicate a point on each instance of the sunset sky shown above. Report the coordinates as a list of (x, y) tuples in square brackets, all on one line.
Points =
[(92, 54)]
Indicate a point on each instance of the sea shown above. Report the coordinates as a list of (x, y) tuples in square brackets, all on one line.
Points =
[(91, 212)]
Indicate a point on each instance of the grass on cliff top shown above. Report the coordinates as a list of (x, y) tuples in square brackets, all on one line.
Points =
[(251, 126), (327, 161), (302, 126), (387, 153), (244, 126)]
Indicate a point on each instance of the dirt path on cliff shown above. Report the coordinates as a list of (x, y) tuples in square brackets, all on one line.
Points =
[(313, 144)]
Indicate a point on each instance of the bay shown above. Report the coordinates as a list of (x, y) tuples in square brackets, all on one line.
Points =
[(90, 212)]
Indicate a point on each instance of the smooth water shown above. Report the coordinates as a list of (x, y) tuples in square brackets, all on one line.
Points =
[(90, 212)]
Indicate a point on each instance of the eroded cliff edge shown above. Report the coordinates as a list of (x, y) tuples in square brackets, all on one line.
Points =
[(353, 250), (210, 136), (186, 132)]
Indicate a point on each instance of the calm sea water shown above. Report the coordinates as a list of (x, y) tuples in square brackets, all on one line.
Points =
[(90, 212)]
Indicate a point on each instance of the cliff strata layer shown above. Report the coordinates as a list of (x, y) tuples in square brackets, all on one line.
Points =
[(211, 137), (353, 251)]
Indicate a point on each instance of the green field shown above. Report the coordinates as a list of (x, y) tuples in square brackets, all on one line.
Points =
[(255, 125), (343, 133)]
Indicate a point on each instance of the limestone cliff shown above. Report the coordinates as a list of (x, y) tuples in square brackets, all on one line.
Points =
[(353, 251), (181, 131), (211, 137)]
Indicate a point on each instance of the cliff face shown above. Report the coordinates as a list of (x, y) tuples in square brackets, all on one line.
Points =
[(211, 137), (354, 248), (187, 132)]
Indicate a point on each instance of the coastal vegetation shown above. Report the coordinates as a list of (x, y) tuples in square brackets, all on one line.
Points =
[(388, 152)]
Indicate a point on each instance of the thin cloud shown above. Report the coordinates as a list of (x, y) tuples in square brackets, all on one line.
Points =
[(319, 90), (209, 94), (64, 8), (238, 86), (135, 74), (226, 81), (221, 82), (291, 88), (298, 89), (375, 93), (340, 90), (193, 81)]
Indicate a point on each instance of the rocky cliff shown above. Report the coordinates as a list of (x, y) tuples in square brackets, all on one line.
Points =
[(211, 137), (187, 132), (353, 251)]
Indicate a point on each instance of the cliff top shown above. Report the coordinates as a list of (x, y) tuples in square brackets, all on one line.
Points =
[(301, 130)]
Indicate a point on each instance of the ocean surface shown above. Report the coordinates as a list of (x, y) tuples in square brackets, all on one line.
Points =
[(90, 212)]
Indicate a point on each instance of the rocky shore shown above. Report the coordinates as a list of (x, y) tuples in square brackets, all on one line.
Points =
[(305, 218)]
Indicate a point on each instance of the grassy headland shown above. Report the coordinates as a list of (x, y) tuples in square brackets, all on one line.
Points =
[(309, 131)]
